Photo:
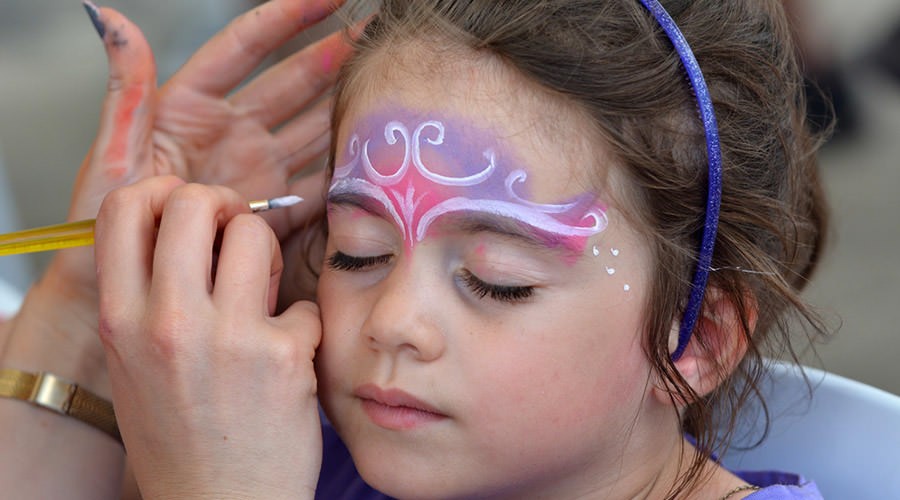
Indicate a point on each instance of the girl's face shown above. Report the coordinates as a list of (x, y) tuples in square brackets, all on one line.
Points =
[(482, 307)]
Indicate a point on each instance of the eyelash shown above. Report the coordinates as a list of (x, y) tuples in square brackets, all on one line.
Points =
[(340, 261), (500, 293)]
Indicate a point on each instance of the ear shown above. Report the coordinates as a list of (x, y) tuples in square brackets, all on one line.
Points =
[(718, 344)]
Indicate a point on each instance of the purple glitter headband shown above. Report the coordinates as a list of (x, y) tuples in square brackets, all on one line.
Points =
[(714, 155)]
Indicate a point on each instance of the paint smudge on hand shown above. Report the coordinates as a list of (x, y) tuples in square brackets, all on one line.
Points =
[(123, 120)]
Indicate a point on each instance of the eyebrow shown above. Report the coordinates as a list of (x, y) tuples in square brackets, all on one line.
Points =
[(486, 222), (360, 201), (472, 222)]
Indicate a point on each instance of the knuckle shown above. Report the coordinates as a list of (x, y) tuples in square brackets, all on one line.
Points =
[(114, 324), (252, 230), (308, 310), (283, 352), (166, 335), (108, 331), (118, 200), (115, 82), (193, 197), (245, 42), (290, 360), (191, 192), (302, 320), (200, 198), (250, 225)]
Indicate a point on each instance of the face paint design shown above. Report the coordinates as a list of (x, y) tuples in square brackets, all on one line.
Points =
[(420, 168)]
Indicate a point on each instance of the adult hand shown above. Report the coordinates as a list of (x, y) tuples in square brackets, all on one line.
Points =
[(197, 127), (214, 395)]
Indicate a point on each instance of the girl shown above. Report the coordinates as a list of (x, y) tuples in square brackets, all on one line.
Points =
[(517, 211)]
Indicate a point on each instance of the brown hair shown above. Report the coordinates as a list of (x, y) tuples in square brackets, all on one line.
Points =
[(611, 59)]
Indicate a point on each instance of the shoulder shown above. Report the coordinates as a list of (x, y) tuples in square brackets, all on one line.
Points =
[(780, 486)]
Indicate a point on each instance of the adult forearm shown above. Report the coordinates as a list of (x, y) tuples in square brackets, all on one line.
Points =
[(44, 454)]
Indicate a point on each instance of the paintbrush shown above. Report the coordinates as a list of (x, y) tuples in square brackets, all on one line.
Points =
[(81, 233)]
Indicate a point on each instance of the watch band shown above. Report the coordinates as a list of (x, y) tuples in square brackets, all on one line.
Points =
[(61, 396)]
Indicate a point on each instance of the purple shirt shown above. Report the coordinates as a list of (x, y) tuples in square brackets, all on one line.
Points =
[(780, 486), (340, 481)]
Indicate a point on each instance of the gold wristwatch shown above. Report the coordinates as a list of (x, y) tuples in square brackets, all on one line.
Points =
[(60, 396)]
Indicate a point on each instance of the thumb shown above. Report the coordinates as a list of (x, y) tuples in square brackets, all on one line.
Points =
[(122, 151), (303, 319)]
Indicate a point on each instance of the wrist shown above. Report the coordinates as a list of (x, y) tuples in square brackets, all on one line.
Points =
[(56, 331), (55, 394)]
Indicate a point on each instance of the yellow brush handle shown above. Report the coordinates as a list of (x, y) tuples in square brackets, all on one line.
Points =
[(42, 239), (81, 233)]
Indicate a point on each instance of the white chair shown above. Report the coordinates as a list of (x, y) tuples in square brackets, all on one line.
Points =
[(845, 437)]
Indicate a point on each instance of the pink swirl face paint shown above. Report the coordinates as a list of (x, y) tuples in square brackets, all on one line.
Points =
[(417, 168)]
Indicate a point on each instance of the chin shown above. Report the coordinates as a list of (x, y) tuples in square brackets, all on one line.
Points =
[(404, 480)]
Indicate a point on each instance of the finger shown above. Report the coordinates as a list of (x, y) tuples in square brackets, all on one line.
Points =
[(249, 267), (237, 50), (305, 137), (304, 319), (123, 139), (285, 89), (124, 237), (182, 261)]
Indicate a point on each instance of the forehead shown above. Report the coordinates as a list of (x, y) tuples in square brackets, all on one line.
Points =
[(422, 137), (417, 167), (487, 104)]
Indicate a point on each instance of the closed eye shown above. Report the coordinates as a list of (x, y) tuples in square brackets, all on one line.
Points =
[(340, 261), (501, 293)]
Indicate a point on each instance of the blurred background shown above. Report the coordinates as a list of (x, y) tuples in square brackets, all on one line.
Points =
[(53, 74)]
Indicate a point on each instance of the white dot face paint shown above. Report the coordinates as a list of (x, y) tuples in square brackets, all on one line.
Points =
[(596, 251), (418, 168), (614, 252), (610, 271)]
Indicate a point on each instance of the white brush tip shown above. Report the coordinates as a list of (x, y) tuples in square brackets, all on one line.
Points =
[(284, 201)]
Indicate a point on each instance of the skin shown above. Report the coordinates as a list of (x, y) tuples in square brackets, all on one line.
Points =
[(193, 127), (440, 391)]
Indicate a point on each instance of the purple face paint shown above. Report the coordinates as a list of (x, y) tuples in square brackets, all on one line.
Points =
[(418, 168)]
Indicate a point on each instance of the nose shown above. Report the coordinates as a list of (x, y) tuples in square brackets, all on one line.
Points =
[(405, 316)]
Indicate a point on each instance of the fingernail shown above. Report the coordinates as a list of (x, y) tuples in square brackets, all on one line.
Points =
[(94, 13)]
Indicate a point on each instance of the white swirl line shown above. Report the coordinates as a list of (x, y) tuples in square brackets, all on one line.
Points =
[(390, 136), (353, 147), (535, 218), (520, 176), (470, 180)]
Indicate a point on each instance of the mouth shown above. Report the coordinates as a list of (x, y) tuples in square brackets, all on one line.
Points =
[(394, 409)]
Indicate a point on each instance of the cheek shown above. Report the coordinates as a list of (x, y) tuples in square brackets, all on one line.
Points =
[(339, 318), (574, 374), (564, 384), (573, 406)]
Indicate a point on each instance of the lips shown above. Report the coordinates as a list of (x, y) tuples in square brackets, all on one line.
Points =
[(394, 409)]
